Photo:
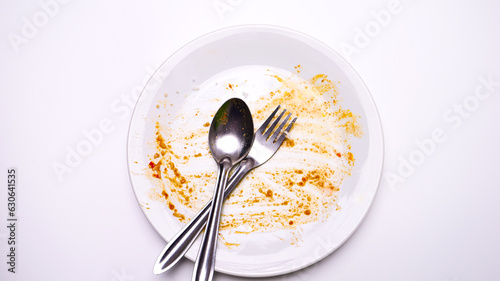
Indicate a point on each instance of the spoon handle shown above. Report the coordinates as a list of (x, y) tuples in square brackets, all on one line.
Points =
[(205, 262), (184, 239)]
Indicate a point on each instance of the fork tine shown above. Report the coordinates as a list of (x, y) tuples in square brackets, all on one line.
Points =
[(283, 136), (268, 120), (271, 128), (278, 131)]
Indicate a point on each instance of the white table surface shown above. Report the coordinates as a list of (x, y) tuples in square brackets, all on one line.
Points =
[(66, 67)]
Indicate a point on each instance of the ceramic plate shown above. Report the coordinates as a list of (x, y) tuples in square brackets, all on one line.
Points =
[(302, 204)]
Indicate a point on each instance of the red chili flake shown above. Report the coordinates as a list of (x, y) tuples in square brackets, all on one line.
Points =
[(338, 154), (156, 176), (151, 165)]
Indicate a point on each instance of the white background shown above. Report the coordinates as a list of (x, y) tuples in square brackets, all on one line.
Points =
[(66, 68)]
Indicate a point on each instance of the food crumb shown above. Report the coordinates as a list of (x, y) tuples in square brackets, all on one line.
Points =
[(289, 142), (231, 86), (165, 194), (177, 215), (269, 193), (290, 194)]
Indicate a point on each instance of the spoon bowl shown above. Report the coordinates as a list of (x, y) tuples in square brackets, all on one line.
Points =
[(231, 132)]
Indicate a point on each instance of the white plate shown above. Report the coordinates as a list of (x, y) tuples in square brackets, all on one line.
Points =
[(234, 48)]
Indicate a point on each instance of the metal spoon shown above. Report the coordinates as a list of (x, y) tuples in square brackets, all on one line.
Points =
[(230, 139)]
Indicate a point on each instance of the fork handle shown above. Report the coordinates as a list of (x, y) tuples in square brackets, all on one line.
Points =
[(184, 239)]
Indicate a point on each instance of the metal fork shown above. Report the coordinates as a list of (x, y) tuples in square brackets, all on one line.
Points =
[(263, 148)]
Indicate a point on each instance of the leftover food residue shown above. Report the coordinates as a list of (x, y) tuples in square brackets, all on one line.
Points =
[(299, 185)]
